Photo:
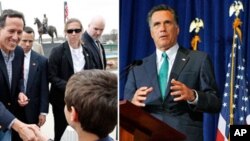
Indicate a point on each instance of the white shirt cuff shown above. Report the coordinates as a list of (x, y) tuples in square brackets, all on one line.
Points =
[(44, 114), (10, 125), (194, 102)]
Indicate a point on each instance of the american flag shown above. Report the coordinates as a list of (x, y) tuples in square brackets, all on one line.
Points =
[(66, 12), (235, 103)]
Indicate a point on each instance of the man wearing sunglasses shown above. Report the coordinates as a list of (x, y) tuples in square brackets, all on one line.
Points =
[(65, 60), (91, 39)]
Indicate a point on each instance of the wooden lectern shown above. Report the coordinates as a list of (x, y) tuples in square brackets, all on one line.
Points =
[(138, 125)]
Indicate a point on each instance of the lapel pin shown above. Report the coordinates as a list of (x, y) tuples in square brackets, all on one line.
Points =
[(34, 64), (183, 59)]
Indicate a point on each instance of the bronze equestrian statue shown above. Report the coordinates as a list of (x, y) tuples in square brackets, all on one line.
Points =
[(51, 30)]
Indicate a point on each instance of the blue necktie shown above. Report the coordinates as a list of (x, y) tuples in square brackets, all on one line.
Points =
[(163, 75)]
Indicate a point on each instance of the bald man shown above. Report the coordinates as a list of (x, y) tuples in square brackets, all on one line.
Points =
[(91, 40)]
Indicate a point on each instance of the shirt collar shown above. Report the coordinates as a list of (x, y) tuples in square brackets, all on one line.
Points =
[(8, 56), (171, 52), (28, 54), (76, 50)]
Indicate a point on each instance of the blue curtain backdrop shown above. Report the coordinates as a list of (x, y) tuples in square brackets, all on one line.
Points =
[(216, 37)]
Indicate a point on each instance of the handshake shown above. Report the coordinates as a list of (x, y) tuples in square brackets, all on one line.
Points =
[(29, 132)]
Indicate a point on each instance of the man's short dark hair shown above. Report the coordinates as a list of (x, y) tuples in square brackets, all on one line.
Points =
[(12, 14), (28, 29), (93, 93), (162, 7)]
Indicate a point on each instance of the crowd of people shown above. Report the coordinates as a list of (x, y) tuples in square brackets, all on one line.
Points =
[(25, 74)]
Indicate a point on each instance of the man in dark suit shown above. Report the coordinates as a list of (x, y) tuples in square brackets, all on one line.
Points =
[(190, 88), (65, 60), (91, 40), (11, 63), (35, 98)]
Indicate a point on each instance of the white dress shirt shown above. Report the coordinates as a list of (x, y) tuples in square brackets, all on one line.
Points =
[(26, 68), (77, 58)]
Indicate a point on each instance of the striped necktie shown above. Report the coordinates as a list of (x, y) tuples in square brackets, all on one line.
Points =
[(163, 75)]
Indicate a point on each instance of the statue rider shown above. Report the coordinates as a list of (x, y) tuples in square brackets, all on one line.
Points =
[(45, 23)]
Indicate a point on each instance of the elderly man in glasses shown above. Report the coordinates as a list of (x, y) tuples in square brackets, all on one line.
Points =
[(65, 60)]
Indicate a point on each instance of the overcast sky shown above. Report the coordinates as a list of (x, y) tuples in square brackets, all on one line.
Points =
[(83, 10)]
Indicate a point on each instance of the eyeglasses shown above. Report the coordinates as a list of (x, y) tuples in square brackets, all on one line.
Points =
[(70, 31)]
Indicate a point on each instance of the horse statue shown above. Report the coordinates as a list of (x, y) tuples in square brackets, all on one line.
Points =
[(51, 30)]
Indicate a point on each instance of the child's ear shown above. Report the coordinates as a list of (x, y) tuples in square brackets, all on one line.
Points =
[(73, 114)]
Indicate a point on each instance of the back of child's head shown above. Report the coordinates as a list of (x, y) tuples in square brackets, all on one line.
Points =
[(93, 93)]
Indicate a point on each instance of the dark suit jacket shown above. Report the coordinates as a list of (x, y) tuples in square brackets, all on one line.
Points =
[(61, 69), (90, 44), (194, 69), (9, 95), (5, 117), (37, 88)]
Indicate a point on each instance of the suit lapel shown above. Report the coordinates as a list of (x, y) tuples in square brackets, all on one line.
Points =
[(93, 44), (93, 47), (17, 74), (4, 69), (68, 54), (32, 69), (181, 60), (151, 69), (86, 57)]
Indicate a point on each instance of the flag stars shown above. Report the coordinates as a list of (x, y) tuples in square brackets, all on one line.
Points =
[(238, 76), (241, 118), (240, 68), (224, 104), (225, 94), (237, 86), (243, 108), (245, 98), (241, 77), (226, 84), (234, 46), (235, 96), (234, 106), (228, 75)]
